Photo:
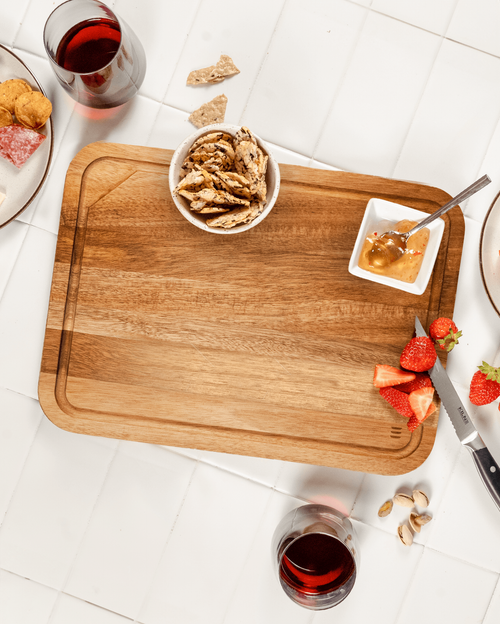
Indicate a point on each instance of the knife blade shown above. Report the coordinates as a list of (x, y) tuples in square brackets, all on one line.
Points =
[(468, 435)]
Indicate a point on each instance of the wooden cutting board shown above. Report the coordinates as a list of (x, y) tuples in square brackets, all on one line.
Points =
[(259, 343)]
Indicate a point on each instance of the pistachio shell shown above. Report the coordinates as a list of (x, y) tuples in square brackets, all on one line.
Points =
[(386, 509), (414, 525), (420, 498), (423, 519), (403, 500), (405, 535)]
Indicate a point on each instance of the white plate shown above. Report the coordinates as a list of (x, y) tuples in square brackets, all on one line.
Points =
[(379, 210), (22, 185), (489, 256)]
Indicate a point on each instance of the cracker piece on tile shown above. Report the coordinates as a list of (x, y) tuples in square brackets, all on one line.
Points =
[(200, 76), (224, 68), (212, 112)]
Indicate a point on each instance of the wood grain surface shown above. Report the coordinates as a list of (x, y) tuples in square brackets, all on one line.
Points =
[(259, 343)]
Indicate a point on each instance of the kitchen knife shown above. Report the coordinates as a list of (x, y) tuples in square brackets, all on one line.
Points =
[(465, 430)]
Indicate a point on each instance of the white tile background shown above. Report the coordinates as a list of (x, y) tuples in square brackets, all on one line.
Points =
[(95, 530)]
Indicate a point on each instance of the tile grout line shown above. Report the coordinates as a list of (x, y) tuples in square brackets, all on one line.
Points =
[(410, 583), (247, 557), (340, 83), (455, 461), (93, 604), (22, 469), (259, 71), (497, 588), (357, 494), (415, 110), (21, 24), (14, 264), (136, 619), (424, 89), (464, 561), (162, 101), (497, 122), (84, 533)]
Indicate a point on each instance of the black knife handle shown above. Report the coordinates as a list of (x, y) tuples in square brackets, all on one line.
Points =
[(489, 471)]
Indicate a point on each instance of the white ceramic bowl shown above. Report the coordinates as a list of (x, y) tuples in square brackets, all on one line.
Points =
[(379, 210), (272, 180)]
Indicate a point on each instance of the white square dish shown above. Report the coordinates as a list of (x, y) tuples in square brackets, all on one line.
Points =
[(378, 210)]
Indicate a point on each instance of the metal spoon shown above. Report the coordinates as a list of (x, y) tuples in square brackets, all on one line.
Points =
[(390, 246)]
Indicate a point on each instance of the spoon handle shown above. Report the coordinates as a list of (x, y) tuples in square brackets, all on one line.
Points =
[(465, 194)]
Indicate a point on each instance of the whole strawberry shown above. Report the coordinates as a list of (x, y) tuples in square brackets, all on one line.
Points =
[(445, 333), (419, 354), (485, 385)]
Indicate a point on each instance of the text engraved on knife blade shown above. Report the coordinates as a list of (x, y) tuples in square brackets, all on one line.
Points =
[(463, 415)]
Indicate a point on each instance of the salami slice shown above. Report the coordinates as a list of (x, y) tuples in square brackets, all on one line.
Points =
[(18, 143)]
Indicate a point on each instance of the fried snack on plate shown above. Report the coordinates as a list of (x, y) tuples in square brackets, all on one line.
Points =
[(224, 68), (5, 117), (212, 112), (32, 109), (10, 90)]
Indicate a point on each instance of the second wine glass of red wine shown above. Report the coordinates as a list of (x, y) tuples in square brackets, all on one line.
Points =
[(315, 556)]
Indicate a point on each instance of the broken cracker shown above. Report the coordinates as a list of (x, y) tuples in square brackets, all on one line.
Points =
[(211, 137), (212, 112), (214, 196), (250, 161), (238, 216), (224, 68)]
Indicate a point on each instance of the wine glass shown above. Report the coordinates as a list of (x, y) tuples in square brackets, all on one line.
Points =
[(95, 56), (315, 556)]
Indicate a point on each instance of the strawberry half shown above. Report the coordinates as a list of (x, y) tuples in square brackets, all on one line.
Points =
[(420, 401), (445, 333), (485, 386), (398, 400), (414, 422), (389, 376), (422, 380), (419, 354)]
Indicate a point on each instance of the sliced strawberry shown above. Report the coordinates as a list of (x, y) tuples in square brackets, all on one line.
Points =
[(420, 401), (422, 380), (431, 410), (390, 376), (399, 401), (414, 422)]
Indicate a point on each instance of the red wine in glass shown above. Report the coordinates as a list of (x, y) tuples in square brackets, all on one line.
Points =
[(317, 563), (89, 46), (95, 56)]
